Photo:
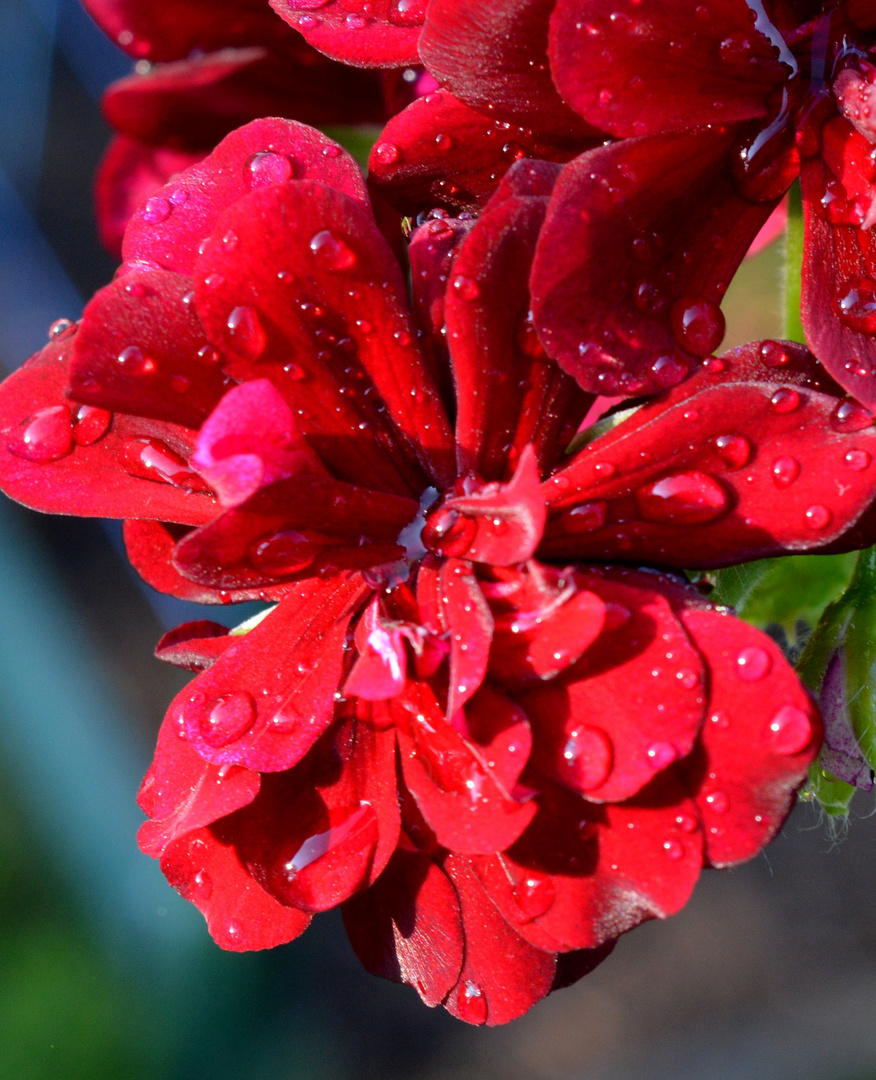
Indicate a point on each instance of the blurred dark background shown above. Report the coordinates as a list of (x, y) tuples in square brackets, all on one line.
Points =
[(770, 972)]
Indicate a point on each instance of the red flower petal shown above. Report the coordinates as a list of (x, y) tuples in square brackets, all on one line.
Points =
[(630, 706), (150, 546), (296, 655), (441, 152), (643, 67), (660, 225), (141, 349), (384, 35), (761, 735), (326, 829), (167, 230), (838, 304), (581, 875), (380, 668), (465, 616), (502, 974), (195, 646), (292, 525), (492, 56), (67, 459), (462, 786), (182, 792), (407, 927), (755, 458), (509, 393), (205, 868), (343, 270)]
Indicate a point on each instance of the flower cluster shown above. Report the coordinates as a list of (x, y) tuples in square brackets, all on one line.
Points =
[(484, 710)]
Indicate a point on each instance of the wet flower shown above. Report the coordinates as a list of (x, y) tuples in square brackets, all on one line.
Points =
[(201, 71), (716, 109), (469, 716)]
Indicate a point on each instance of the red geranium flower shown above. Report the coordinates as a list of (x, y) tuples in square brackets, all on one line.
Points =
[(496, 756), (202, 70), (719, 107)]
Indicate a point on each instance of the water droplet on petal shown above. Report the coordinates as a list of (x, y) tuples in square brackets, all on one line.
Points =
[(267, 168), (90, 423), (247, 331), (719, 720), (789, 731), (200, 887), (534, 895), (818, 517), (466, 288), (674, 849), (587, 758), (332, 252), (661, 754), (857, 306), (849, 416), (668, 371), (858, 460), (718, 802), (698, 324), (282, 553), (734, 450), (227, 718), (752, 664), (785, 471), (586, 517), (692, 498), (45, 436), (156, 210), (61, 329), (687, 822), (152, 459), (785, 400), (471, 1004), (387, 153), (774, 354)]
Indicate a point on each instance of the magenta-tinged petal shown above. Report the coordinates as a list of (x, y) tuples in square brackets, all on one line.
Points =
[(385, 34), (131, 172), (460, 784), (296, 654), (761, 734), (302, 522), (643, 67), (205, 868), (630, 707), (407, 926), (492, 56), (838, 304), (659, 224), (141, 349), (321, 286), (508, 392), (195, 646), (249, 441), (380, 668), (581, 875), (441, 152), (326, 829), (758, 457), (466, 617), (182, 792), (855, 94), (65, 458), (502, 974), (168, 229), (150, 546)]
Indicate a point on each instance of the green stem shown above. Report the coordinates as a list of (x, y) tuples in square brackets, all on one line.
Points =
[(793, 285)]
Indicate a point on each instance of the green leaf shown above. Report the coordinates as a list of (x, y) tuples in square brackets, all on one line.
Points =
[(356, 139)]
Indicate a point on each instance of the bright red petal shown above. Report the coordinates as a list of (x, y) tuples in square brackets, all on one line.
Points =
[(194, 646), (385, 34)]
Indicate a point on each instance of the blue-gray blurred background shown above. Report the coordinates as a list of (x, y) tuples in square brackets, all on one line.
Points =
[(105, 972)]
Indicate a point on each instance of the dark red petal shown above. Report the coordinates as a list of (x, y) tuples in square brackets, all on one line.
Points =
[(165, 31), (508, 392), (441, 152), (204, 867), (581, 875), (182, 792), (168, 229), (572, 966), (383, 35), (194, 646), (150, 546), (861, 13), (461, 785), (838, 305), (630, 706), (659, 224), (301, 522), (306, 246), (466, 616), (326, 829), (856, 97), (63, 458), (130, 172), (502, 974), (492, 56), (761, 735), (751, 463), (407, 927), (267, 700), (643, 67), (141, 349)]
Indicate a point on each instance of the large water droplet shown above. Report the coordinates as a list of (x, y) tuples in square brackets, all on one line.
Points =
[(587, 757), (156, 210), (785, 400), (90, 423), (387, 153), (752, 663), (267, 168), (850, 416), (227, 718), (586, 517), (247, 331), (466, 288), (818, 517), (691, 498), (718, 802), (858, 460), (332, 252), (534, 894), (471, 1004), (152, 459), (661, 754), (674, 848), (734, 450), (856, 306), (774, 354), (45, 436), (282, 553), (62, 329), (785, 471), (698, 324), (789, 731)]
